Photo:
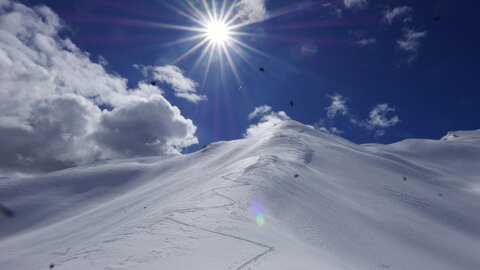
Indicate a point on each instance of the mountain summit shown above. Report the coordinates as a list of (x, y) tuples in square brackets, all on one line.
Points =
[(293, 198)]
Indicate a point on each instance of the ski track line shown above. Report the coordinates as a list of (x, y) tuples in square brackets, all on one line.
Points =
[(269, 248), (232, 202)]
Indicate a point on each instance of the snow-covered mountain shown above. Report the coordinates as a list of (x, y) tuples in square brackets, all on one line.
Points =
[(292, 199)]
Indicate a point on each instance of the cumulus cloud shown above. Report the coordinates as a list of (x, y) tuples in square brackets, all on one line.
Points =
[(398, 12), (267, 119), (366, 41), (251, 11), (259, 111), (144, 127), (184, 87), (338, 106), (355, 3), (51, 98), (410, 42)]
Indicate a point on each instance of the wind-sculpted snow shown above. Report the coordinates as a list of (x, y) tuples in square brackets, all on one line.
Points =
[(292, 199)]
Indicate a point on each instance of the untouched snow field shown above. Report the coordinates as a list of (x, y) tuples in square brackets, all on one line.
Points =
[(293, 199)]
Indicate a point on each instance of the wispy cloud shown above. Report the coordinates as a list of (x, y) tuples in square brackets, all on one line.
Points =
[(391, 15), (338, 106), (366, 41), (381, 117), (410, 42), (330, 130), (259, 111), (251, 11), (355, 3)]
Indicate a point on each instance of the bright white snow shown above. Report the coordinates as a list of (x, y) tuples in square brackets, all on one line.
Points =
[(327, 203)]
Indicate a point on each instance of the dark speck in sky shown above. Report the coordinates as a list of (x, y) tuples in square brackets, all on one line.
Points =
[(6, 212)]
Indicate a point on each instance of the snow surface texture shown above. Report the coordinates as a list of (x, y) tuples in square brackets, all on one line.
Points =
[(324, 203)]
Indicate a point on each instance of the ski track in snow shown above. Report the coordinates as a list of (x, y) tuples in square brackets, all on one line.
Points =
[(232, 202)]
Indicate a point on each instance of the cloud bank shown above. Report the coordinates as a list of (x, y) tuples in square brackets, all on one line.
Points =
[(53, 101)]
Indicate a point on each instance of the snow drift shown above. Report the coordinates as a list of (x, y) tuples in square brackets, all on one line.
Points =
[(293, 198)]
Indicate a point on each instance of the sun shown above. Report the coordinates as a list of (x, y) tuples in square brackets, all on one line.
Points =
[(218, 32)]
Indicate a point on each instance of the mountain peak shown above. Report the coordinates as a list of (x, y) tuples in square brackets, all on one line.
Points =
[(294, 198)]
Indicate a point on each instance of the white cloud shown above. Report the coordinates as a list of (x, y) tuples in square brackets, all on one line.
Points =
[(391, 15), (184, 87), (338, 106), (251, 11), (355, 3), (410, 42), (268, 119), (51, 95), (259, 111), (144, 127), (332, 130), (366, 41), (378, 118)]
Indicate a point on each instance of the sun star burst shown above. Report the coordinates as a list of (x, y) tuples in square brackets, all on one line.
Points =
[(217, 35), (217, 32)]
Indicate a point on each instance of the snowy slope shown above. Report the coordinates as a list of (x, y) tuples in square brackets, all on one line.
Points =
[(292, 199)]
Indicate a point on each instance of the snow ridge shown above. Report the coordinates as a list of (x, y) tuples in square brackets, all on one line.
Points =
[(327, 203)]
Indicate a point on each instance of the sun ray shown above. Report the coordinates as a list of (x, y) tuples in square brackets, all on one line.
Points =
[(232, 65), (198, 20), (183, 40), (248, 34), (214, 10), (222, 10), (228, 15), (131, 22), (200, 16), (256, 50), (193, 49), (200, 59), (209, 63), (208, 10), (240, 52)]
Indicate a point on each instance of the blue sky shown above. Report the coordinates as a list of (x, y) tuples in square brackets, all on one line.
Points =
[(369, 71), (436, 93)]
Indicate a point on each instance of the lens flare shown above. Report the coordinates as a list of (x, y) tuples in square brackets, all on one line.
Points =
[(260, 219), (259, 213)]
